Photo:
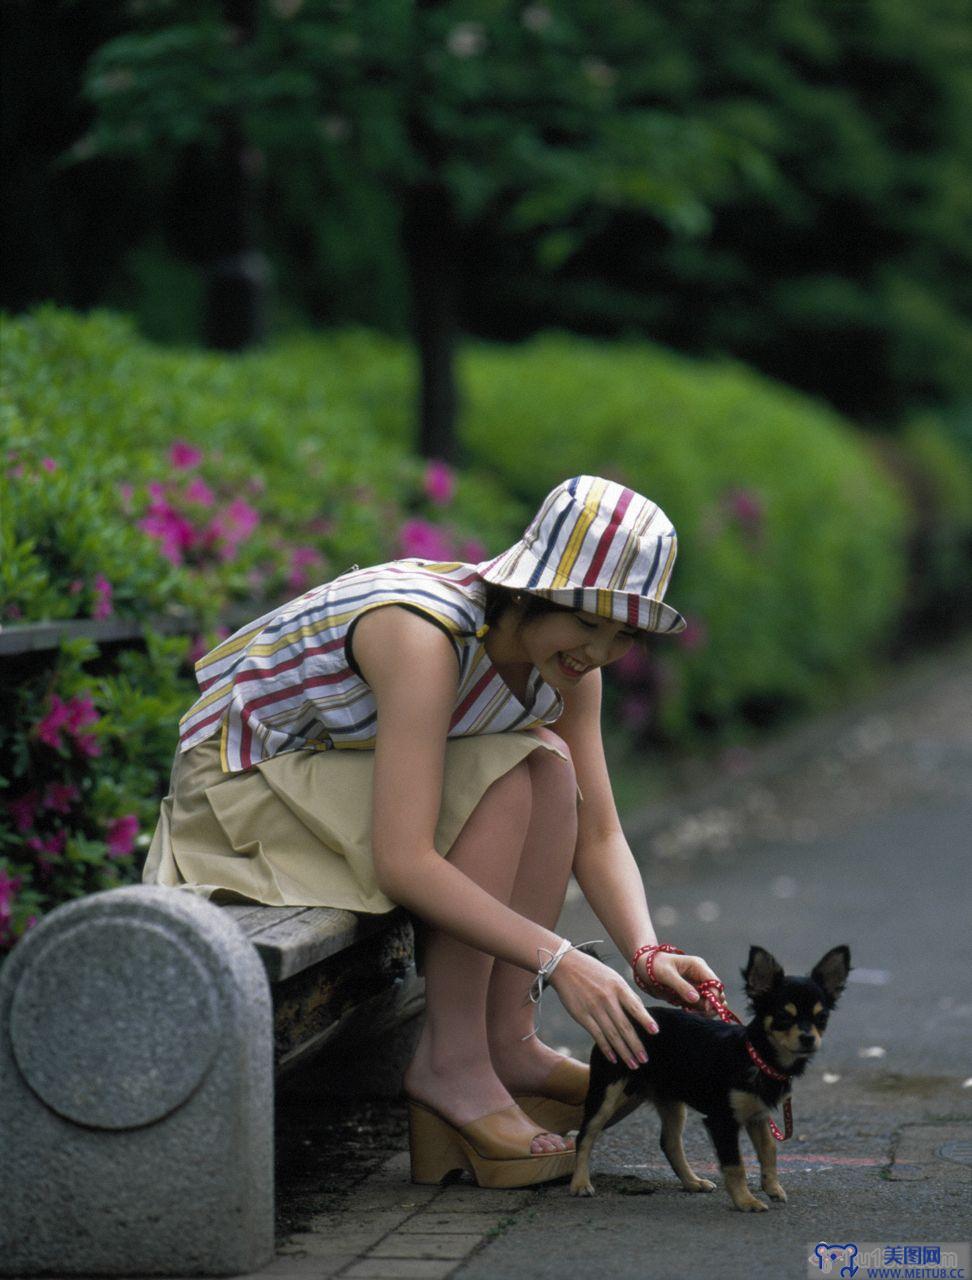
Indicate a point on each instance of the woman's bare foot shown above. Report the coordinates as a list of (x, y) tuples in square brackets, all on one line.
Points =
[(463, 1091)]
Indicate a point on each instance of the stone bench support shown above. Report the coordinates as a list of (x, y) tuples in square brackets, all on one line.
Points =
[(136, 1092)]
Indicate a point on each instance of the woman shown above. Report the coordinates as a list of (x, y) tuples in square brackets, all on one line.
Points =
[(448, 794)]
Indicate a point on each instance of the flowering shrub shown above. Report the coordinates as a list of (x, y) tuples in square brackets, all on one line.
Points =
[(139, 482), (87, 755)]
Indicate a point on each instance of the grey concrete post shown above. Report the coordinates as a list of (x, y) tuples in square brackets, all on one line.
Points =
[(136, 1092)]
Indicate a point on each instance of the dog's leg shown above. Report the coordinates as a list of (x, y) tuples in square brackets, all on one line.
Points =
[(614, 1098), (672, 1115), (765, 1146), (724, 1131)]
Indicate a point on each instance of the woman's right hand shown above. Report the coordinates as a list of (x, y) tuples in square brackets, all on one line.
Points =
[(600, 1001)]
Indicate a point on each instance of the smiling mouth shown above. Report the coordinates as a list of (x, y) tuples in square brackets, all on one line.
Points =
[(568, 668)]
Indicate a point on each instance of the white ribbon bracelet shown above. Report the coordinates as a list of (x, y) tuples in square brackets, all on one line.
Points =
[(545, 971)]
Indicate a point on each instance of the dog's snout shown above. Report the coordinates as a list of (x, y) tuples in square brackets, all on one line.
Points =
[(807, 1042)]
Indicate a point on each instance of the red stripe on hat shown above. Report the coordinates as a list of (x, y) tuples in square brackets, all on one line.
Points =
[(600, 555), (633, 603)]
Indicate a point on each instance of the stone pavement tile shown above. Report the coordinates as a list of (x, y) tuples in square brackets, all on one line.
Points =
[(367, 1198), (463, 1198), (325, 1241), (409, 1244), (430, 1222), (400, 1269), (310, 1267), (355, 1222)]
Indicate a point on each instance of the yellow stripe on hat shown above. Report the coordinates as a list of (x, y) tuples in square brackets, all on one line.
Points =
[(604, 604), (587, 517), (667, 571)]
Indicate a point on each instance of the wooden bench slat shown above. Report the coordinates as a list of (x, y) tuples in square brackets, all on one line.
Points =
[(291, 939)]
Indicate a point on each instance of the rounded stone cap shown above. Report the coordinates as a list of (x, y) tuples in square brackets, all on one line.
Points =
[(117, 1015)]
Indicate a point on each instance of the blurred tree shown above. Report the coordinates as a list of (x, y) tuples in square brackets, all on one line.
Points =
[(788, 181), (465, 114)]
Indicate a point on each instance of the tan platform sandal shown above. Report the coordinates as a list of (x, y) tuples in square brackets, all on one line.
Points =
[(559, 1106), (495, 1149)]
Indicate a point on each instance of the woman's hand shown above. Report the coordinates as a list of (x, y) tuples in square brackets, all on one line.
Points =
[(604, 1005), (675, 974)]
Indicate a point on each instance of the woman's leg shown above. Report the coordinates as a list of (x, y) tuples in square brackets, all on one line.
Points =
[(538, 892), (451, 1070)]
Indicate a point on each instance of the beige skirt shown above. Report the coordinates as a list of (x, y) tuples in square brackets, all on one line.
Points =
[(295, 831)]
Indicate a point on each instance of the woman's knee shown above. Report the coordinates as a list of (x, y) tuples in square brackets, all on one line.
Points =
[(560, 764)]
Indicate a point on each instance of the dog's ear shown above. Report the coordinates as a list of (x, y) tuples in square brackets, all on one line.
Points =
[(761, 974), (830, 973)]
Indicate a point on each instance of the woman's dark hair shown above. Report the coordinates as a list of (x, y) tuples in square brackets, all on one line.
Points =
[(529, 607), (498, 599)]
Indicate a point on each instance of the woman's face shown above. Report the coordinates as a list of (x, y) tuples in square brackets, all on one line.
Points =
[(564, 646)]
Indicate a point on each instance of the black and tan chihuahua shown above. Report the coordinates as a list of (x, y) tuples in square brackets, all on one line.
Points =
[(713, 1067)]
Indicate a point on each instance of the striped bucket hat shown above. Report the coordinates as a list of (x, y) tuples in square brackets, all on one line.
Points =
[(598, 546)]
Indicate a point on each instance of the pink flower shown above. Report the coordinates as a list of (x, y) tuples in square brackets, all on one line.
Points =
[(695, 636), (88, 745), (81, 712), (232, 526), (103, 603), (49, 729), (23, 810), (184, 456), (75, 586), (439, 482), (48, 464), (52, 844), (59, 796), (172, 530), (120, 836), (473, 552), (424, 541), (198, 491), (301, 560)]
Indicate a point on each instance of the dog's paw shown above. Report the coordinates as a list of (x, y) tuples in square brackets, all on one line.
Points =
[(775, 1191), (700, 1184), (581, 1187), (751, 1205)]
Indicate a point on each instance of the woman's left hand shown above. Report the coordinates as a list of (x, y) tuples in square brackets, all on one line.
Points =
[(674, 975)]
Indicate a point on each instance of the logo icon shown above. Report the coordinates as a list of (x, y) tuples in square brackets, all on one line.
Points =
[(836, 1259)]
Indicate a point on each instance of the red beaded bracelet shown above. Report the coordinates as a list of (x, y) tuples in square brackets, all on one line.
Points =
[(652, 949)]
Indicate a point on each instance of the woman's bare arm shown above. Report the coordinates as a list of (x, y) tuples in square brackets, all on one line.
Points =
[(604, 865)]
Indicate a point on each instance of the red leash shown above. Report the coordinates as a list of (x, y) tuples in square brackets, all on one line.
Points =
[(711, 993)]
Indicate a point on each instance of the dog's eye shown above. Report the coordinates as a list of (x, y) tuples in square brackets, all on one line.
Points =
[(782, 1022), (820, 1021)]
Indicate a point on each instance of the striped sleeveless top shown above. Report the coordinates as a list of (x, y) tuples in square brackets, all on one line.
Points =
[(288, 681)]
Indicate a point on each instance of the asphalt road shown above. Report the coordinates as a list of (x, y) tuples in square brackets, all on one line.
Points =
[(862, 836)]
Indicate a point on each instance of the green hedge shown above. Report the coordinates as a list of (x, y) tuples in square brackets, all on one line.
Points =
[(791, 535)]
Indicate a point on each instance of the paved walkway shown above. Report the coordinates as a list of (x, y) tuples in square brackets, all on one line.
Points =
[(853, 829)]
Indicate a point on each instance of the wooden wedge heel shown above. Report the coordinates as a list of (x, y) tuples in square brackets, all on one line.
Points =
[(495, 1149)]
